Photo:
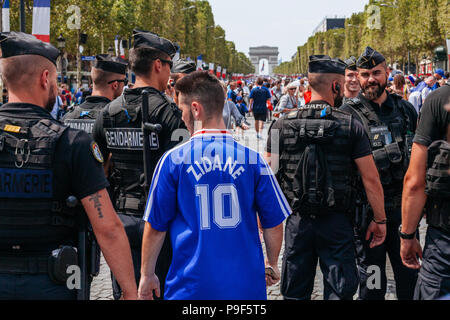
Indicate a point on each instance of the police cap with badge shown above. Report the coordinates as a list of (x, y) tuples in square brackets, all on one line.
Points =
[(18, 44), (369, 59), (109, 63), (147, 39), (184, 66), (351, 63), (325, 64)]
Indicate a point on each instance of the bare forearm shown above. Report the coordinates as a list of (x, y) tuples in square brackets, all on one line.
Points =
[(413, 202), (117, 253), (152, 243), (273, 239), (375, 196), (113, 241)]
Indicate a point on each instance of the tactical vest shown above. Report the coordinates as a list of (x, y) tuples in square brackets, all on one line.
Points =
[(391, 141), (82, 118), (438, 185), (32, 217), (304, 133), (122, 124)]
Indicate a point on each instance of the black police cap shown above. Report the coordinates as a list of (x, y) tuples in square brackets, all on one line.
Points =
[(184, 66), (370, 59), (324, 64), (109, 63), (18, 44), (145, 39), (351, 63)]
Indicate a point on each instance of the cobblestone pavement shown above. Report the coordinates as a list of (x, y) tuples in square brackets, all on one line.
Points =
[(101, 286)]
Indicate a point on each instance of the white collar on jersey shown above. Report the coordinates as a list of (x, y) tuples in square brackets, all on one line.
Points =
[(211, 132)]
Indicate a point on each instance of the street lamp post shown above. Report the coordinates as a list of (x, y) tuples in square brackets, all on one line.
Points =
[(61, 46), (22, 16)]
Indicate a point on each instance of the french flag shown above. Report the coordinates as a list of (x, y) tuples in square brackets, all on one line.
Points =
[(41, 20), (5, 16)]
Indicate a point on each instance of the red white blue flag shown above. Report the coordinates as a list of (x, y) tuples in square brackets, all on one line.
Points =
[(5, 17), (41, 20)]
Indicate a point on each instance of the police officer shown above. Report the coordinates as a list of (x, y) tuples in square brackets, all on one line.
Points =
[(352, 87), (180, 69), (427, 184), (43, 163), (390, 123), (318, 148), (109, 78), (118, 131)]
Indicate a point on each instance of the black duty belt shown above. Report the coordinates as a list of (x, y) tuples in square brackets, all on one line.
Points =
[(21, 265), (124, 205)]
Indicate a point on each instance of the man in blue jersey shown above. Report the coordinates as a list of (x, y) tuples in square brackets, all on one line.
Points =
[(208, 194)]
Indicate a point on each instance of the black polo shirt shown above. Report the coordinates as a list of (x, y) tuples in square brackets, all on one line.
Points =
[(77, 169), (434, 119)]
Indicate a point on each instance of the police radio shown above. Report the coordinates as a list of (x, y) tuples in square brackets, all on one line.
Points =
[(147, 129)]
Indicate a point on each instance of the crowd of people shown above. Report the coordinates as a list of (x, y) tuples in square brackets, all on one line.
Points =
[(176, 204)]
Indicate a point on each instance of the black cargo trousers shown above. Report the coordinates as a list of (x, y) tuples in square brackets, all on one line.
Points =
[(328, 240)]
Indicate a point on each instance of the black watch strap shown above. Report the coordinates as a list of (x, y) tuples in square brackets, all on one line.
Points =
[(405, 236)]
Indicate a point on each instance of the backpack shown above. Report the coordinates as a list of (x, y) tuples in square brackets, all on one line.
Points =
[(313, 183)]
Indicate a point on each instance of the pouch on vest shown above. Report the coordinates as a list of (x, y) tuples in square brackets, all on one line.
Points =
[(312, 184), (438, 185), (59, 261)]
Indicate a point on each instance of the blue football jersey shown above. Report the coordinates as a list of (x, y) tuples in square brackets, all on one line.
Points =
[(208, 193)]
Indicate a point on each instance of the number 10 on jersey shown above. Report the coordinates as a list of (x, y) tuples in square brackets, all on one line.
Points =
[(222, 219)]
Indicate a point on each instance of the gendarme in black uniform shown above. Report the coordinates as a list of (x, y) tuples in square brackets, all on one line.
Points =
[(319, 138), (118, 131), (42, 163), (433, 132), (390, 128), (83, 116)]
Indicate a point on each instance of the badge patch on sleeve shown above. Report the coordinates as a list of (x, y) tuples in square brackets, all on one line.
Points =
[(96, 152)]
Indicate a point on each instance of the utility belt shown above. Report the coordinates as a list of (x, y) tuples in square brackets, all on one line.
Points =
[(56, 265), (318, 212)]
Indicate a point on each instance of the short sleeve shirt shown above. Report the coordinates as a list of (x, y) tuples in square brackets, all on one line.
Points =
[(208, 193), (260, 95), (78, 169), (360, 141), (434, 119)]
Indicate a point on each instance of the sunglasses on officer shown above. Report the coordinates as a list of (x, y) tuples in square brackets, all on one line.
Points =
[(125, 81), (169, 62)]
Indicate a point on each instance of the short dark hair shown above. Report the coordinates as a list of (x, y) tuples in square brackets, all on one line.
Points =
[(204, 88), (141, 60), (260, 81)]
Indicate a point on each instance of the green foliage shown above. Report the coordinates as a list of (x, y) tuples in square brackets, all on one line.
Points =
[(414, 26), (193, 29)]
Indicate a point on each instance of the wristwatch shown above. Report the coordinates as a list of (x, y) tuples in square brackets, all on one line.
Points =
[(405, 235)]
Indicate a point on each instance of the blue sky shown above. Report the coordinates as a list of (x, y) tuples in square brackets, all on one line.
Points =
[(280, 23)]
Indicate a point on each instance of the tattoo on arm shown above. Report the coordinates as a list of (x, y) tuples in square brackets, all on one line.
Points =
[(97, 205)]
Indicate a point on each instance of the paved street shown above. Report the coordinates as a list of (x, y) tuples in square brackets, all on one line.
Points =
[(101, 286)]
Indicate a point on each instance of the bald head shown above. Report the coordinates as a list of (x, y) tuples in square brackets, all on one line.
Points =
[(25, 71)]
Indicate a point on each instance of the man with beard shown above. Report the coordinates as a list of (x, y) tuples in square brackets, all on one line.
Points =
[(390, 123), (42, 164), (320, 149), (352, 86), (118, 131), (108, 76)]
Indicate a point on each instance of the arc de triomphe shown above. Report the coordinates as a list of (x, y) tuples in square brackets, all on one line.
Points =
[(264, 59)]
